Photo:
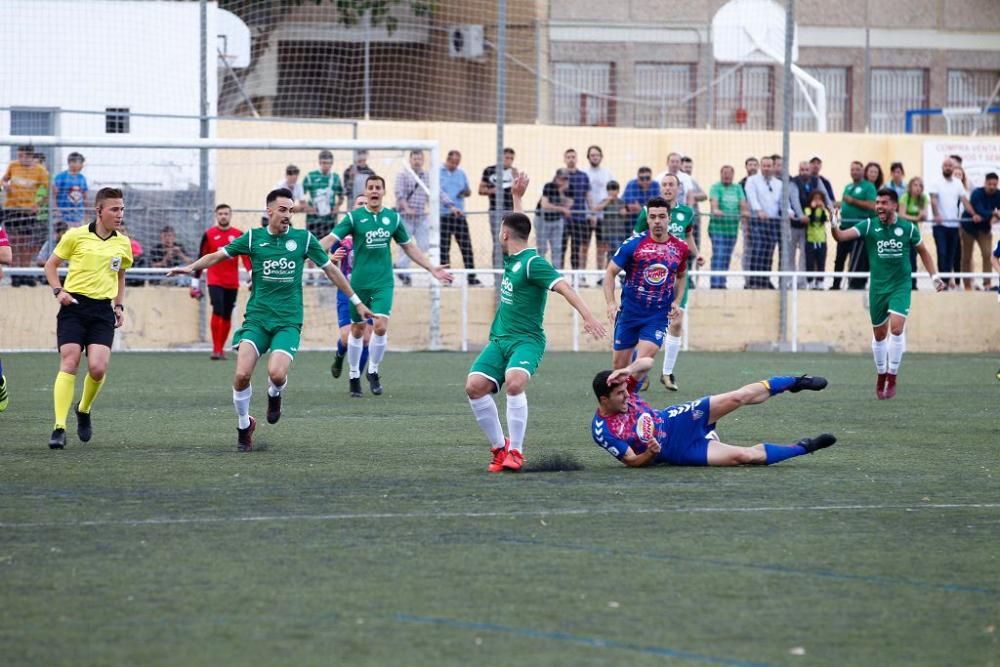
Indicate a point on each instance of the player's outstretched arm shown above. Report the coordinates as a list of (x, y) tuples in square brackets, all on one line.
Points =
[(610, 278), (327, 241), (843, 234), (417, 255), (202, 262), (925, 257), (517, 190), (590, 323)]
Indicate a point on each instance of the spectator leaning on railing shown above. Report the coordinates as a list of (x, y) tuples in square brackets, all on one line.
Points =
[(556, 209), (858, 205), (729, 209), (913, 207), (20, 213), (977, 226), (615, 221), (577, 227), (454, 190)]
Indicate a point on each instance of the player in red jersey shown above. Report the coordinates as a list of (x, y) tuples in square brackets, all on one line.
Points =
[(223, 278)]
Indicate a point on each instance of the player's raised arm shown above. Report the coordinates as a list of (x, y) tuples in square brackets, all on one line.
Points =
[(840, 234), (637, 369), (517, 190), (590, 323)]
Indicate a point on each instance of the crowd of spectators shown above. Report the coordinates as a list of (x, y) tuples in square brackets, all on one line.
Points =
[(581, 205)]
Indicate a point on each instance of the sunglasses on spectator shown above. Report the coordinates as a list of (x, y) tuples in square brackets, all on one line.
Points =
[(645, 178)]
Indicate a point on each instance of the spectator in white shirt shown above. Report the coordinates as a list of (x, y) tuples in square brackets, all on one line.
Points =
[(764, 198), (599, 179), (948, 195), (686, 184)]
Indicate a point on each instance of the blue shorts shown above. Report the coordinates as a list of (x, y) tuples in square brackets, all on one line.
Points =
[(688, 431), (344, 310), (630, 329)]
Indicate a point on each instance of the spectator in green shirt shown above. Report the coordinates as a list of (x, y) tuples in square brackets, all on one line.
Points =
[(325, 194), (858, 205), (729, 209)]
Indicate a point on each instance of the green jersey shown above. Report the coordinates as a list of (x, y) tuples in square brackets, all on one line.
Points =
[(372, 234), (322, 190), (524, 289), (729, 198), (681, 220), (888, 248), (277, 263), (851, 215)]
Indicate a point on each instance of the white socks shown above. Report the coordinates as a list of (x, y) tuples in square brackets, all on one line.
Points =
[(485, 410), (880, 352), (241, 400), (355, 346), (376, 350), (517, 419), (275, 390), (897, 345), (670, 350)]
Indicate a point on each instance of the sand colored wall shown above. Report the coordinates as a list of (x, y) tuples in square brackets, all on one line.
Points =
[(719, 319)]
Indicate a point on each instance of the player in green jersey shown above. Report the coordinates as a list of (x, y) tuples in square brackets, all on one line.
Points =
[(888, 241), (373, 227), (682, 226), (273, 318), (517, 339)]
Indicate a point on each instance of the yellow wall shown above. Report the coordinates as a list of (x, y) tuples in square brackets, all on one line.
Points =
[(166, 317)]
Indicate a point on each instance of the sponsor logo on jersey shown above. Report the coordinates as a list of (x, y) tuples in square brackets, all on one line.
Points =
[(279, 269), (116, 263), (377, 236), (506, 291), (889, 246), (291, 245), (655, 274)]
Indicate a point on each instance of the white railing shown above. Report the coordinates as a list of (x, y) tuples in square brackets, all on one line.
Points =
[(787, 280)]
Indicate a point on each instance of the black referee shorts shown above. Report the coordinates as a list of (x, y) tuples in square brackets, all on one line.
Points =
[(223, 300), (88, 322)]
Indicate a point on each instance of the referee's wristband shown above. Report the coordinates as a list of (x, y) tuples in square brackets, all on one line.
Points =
[(355, 299)]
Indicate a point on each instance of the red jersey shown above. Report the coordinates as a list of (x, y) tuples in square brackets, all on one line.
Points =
[(226, 273)]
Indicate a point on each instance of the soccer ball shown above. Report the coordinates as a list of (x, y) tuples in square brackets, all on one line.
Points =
[(645, 427)]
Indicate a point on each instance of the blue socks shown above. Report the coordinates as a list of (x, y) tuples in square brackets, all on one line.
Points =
[(778, 453), (1, 366), (778, 384), (364, 358), (341, 348)]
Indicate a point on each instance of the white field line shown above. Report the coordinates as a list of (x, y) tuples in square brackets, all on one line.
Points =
[(369, 516)]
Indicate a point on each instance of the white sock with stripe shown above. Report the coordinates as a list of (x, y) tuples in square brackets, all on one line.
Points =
[(241, 400), (880, 351), (671, 349), (517, 419), (376, 351), (355, 346), (897, 345)]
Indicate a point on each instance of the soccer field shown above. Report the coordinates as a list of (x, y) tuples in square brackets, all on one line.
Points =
[(367, 532)]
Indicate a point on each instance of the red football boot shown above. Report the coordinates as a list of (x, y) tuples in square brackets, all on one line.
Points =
[(514, 460), (499, 454)]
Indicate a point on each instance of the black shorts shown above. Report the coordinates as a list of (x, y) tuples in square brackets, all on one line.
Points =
[(87, 322), (223, 300)]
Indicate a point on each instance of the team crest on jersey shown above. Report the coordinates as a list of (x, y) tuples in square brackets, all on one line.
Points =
[(386, 221), (898, 231), (291, 245), (655, 274), (679, 215), (516, 267)]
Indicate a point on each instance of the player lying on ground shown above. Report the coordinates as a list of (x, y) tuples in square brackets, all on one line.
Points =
[(888, 242), (637, 435), (273, 318)]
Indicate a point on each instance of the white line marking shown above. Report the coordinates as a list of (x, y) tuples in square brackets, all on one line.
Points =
[(166, 521)]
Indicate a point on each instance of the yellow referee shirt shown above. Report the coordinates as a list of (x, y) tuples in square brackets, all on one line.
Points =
[(94, 262)]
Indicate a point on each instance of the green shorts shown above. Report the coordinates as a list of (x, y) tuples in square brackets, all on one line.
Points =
[(498, 357), (379, 300), (283, 338), (880, 304)]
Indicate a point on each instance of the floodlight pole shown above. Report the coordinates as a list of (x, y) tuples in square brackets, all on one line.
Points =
[(786, 161)]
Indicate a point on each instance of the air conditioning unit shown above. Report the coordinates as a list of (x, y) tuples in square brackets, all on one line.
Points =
[(465, 41)]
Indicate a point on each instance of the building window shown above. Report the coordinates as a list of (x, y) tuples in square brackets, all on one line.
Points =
[(583, 93), (744, 98), (116, 120), (838, 100), (663, 94), (972, 88), (894, 92)]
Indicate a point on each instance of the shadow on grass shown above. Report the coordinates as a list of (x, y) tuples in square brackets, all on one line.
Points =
[(554, 463)]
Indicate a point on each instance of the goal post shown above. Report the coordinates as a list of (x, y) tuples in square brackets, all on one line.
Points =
[(165, 170)]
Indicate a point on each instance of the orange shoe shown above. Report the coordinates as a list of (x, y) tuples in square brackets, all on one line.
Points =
[(514, 460), (499, 454), (890, 386)]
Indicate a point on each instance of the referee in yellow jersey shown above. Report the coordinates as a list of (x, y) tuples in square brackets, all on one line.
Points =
[(91, 307)]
